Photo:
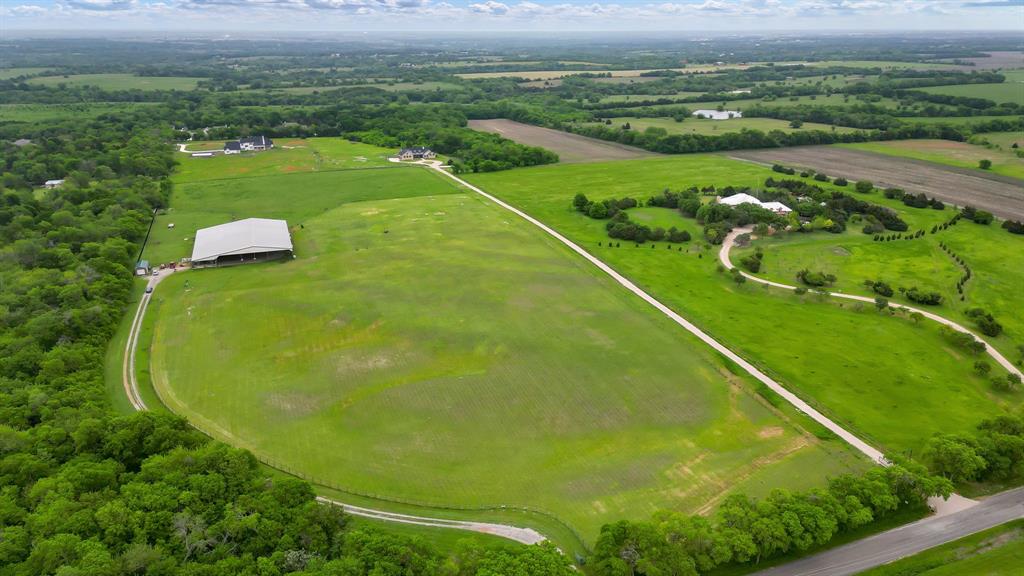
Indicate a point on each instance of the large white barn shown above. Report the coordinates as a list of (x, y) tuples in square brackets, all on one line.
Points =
[(249, 240), (718, 114), (741, 198)]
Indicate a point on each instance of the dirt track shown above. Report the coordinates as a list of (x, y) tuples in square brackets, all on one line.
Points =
[(1001, 195), (571, 148)]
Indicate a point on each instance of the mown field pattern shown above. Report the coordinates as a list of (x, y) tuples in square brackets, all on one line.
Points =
[(854, 364), (435, 349), (959, 154)]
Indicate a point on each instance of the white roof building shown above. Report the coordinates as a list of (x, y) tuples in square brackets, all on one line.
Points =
[(242, 240), (737, 199), (718, 114), (777, 207), (54, 183)]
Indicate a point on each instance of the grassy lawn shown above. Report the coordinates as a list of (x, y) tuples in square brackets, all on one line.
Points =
[(428, 347), (8, 73), (1004, 140), (715, 127), (998, 551), (38, 112), (951, 153), (955, 120), (1009, 91), (856, 365), (288, 156), (119, 81)]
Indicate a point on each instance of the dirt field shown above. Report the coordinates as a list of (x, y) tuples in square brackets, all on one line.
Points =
[(1000, 195), (571, 148), (998, 60)]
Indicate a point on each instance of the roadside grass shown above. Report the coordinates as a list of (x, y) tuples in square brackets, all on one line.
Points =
[(287, 157), (856, 365), (714, 127), (950, 153), (997, 551), (435, 350), (996, 259), (40, 112), (119, 81), (443, 540), (1009, 91), (293, 197)]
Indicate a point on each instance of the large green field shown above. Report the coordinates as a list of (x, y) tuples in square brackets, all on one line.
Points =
[(287, 156), (860, 367), (119, 81), (427, 346), (1009, 91), (995, 552), (714, 127), (958, 154), (8, 73)]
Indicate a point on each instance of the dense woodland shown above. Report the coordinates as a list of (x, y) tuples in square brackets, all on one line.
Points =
[(85, 491)]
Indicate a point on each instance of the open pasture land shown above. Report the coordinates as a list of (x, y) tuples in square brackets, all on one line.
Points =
[(952, 153), (707, 127), (744, 103), (287, 156), (1009, 91), (553, 74), (569, 147), (293, 197), (426, 346), (42, 112), (119, 81), (885, 64), (8, 73), (892, 381), (1000, 195), (1004, 140), (648, 97), (1002, 59)]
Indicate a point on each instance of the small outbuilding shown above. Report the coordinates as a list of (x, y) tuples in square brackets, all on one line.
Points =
[(242, 241), (142, 268), (53, 183)]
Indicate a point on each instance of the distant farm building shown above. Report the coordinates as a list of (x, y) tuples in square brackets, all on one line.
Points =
[(53, 183), (202, 154), (249, 240), (250, 144), (22, 142), (416, 153), (741, 198), (718, 114), (142, 268)]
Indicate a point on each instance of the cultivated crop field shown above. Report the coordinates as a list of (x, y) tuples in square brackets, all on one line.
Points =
[(854, 364), (426, 346), (1000, 195), (119, 81), (958, 154), (569, 147), (715, 127)]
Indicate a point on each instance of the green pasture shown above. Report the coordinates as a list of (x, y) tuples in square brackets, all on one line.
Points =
[(997, 551), (955, 120), (858, 366), (693, 125), (8, 73), (443, 540), (885, 64), (1004, 140), (288, 156), (815, 100), (119, 81), (1009, 91), (427, 347), (41, 112), (958, 154), (292, 197), (648, 97)]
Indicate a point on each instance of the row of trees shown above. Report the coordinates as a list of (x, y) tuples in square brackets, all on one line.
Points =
[(745, 530), (994, 451)]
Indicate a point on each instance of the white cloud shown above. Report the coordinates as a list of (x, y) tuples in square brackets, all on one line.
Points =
[(489, 7)]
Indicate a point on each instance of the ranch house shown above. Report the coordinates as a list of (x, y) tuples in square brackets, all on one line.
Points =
[(415, 153), (242, 241), (741, 198), (250, 144)]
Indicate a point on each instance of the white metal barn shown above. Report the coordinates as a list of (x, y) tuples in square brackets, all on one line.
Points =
[(249, 240)]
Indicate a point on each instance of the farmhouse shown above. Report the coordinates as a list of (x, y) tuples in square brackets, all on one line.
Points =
[(741, 198), (250, 144), (718, 114), (53, 183), (249, 240), (415, 153)]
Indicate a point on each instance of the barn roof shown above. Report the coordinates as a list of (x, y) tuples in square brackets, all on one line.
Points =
[(241, 237)]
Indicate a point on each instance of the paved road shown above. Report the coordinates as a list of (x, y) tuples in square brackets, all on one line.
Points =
[(907, 540), (730, 241), (862, 446)]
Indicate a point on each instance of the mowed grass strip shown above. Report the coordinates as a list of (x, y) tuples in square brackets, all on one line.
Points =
[(292, 197), (119, 81), (951, 153), (891, 381), (440, 351)]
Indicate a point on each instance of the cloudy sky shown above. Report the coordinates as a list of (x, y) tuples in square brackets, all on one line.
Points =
[(510, 15)]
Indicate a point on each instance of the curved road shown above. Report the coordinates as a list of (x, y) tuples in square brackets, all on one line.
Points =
[(907, 540), (730, 241)]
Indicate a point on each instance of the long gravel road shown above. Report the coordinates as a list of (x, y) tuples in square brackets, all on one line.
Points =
[(907, 540)]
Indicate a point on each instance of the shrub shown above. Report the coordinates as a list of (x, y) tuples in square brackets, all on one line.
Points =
[(815, 278), (879, 287), (821, 177), (982, 368), (921, 297), (751, 262), (863, 186), (985, 321), (840, 181), (984, 164)]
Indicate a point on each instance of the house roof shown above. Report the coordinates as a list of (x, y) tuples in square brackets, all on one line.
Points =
[(414, 150), (232, 146), (22, 142), (54, 182), (776, 207), (737, 199), (256, 140), (718, 114), (241, 237), (142, 264)]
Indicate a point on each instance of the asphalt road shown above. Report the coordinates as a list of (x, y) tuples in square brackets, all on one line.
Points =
[(907, 540)]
